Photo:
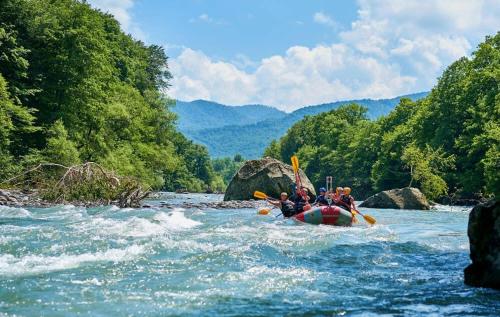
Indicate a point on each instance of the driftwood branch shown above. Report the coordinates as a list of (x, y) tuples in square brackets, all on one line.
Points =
[(88, 182)]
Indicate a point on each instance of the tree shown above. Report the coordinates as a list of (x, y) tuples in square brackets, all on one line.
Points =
[(96, 93), (426, 166), (59, 148)]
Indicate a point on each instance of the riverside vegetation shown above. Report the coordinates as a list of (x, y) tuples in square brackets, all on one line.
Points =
[(447, 143), (74, 88)]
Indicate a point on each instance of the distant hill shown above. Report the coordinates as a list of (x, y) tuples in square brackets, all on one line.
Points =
[(201, 114), (239, 130)]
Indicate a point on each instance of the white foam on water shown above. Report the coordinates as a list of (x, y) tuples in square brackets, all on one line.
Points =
[(37, 264), (447, 208), (92, 281), (8, 239), (175, 220), (14, 212), (132, 227), (161, 223)]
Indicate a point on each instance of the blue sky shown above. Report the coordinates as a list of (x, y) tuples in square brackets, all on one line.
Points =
[(293, 53)]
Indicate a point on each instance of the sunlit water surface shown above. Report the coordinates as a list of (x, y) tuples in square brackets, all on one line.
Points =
[(105, 261)]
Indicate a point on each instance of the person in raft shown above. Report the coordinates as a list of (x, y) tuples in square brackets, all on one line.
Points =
[(284, 204), (347, 200), (337, 197), (300, 202), (321, 199)]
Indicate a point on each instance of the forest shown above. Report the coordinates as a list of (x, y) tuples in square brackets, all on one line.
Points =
[(75, 88), (447, 144)]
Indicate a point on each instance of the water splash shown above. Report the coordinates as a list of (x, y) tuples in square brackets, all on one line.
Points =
[(159, 261)]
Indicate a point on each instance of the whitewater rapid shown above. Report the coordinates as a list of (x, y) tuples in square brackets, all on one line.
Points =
[(158, 261)]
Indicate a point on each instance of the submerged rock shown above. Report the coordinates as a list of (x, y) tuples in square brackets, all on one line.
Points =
[(404, 198), (484, 238), (267, 175)]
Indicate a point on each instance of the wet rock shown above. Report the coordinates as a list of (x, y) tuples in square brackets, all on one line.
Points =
[(267, 175), (484, 237), (405, 198)]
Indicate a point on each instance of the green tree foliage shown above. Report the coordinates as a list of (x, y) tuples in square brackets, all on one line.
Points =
[(14, 119), (93, 92), (59, 148), (450, 139), (425, 168), (227, 167)]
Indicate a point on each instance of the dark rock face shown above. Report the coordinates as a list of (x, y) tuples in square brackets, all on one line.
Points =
[(484, 238), (404, 198), (267, 175)]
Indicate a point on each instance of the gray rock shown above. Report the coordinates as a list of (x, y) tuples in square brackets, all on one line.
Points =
[(267, 175), (405, 198), (484, 237)]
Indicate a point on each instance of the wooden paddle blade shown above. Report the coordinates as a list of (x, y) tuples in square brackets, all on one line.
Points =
[(295, 163), (369, 219), (259, 195)]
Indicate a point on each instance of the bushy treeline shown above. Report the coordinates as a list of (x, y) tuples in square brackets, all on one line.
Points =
[(227, 167), (75, 88), (446, 143)]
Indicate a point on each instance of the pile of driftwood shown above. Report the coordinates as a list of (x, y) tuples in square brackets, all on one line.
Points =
[(87, 183)]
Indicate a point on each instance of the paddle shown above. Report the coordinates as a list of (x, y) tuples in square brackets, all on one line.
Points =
[(295, 165), (265, 211), (261, 195), (367, 218)]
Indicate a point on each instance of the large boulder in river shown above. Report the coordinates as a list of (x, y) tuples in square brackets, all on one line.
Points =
[(404, 198), (484, 238), (266, 175)]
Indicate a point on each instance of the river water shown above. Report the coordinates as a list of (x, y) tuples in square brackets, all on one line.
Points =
[(106, 261)]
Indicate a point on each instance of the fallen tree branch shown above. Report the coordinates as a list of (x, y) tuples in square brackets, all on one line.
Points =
[(87, 182)]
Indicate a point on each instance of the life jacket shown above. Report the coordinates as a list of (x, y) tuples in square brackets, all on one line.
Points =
[(299, 204), (346, 201), (287, 208), (321, 200)]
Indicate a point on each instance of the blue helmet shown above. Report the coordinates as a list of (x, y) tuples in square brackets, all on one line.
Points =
[(322, 189)]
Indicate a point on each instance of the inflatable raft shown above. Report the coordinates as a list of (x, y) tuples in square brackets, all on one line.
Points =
[(327, 215)]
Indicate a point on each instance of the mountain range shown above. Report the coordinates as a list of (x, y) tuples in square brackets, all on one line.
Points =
[(248, 130)]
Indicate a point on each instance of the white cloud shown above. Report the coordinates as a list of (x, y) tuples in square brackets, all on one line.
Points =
[(392, 48), (302, 76), (120, 9), (205, 18), (323, 18)]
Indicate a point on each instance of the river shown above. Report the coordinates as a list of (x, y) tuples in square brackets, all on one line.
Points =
[(108, 261)]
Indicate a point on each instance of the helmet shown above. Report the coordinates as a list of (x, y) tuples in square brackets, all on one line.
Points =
[(322, 190), (347, 190), (338, 190)]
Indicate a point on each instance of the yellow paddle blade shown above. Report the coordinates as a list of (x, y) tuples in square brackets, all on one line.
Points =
[(264, 211), (370, 219), (295, 163), (354, 219), (259, 195)]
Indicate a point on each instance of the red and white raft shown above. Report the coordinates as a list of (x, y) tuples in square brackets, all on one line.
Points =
[(327, 215)]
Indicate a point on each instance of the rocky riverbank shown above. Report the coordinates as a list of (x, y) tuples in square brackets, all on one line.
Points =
[(233, 204), (18, 198), (31, 198)]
